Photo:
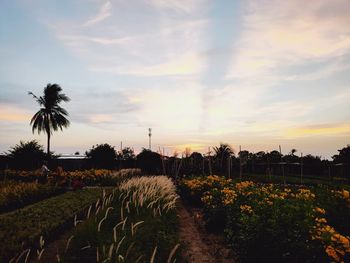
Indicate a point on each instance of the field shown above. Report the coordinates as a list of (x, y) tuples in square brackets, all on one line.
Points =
[(124, 216)]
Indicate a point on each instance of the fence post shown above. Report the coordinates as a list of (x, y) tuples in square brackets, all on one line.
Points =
[(240, 163), (301, 168)]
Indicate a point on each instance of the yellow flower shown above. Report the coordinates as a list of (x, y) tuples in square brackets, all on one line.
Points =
[(332, 253), (244, 185), (246, 208), (321, 220), (320, 210)]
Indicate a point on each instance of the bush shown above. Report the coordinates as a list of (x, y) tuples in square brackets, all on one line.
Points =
[(149, 162), (27, 155)]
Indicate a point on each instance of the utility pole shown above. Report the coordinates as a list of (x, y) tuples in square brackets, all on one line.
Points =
[(150, 135)]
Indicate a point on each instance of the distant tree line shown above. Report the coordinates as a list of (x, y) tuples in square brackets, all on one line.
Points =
[(221, 161)]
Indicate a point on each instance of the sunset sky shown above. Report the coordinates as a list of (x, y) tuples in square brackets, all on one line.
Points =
[(252, 73)]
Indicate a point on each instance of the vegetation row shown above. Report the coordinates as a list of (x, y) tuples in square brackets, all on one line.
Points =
[(274, 222)]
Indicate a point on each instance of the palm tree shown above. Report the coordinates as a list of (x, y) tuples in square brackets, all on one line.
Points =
[(51, 116), (223, 152)]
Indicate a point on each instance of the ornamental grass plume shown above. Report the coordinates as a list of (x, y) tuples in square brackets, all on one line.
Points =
[(158, 190)]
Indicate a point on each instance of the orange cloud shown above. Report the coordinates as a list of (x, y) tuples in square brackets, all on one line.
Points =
[(98, 118), (319, 130), (194, 147), (11, 113)]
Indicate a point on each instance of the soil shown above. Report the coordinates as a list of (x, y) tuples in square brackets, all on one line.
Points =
[(55, 248), (199, 246)]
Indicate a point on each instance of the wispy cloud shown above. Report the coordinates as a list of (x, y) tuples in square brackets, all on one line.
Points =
[(103, 13), (184, 65), (158, 41), (11, 113), (279, 33), (175, 108), (179, 5), (319, 130)]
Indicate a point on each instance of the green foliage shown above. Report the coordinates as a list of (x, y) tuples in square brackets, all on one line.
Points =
[(102, 156), (26, 225), (27, 155)]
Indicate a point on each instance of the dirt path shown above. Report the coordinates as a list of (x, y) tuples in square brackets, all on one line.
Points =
[(55, 247), (198, 246)]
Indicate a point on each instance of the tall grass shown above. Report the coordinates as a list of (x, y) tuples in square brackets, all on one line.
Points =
[(136, 223)]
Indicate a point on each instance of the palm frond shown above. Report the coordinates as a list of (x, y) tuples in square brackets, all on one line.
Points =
[(51, 117)]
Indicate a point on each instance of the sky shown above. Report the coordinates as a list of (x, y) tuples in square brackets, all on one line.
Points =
[(255, 73)]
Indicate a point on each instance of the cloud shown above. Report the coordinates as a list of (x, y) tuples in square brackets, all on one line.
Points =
[(194, 147), (101, 107), (279, 33), (320, 130), (104, 13), (175, 108), (11, 113), (184, 65), (145, 42), (178, 5)]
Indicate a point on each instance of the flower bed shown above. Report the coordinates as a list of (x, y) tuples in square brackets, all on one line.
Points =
[(90, 177), (14, 194), (275, 222)]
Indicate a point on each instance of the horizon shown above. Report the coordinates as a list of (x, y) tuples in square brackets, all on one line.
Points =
[(253, 73)]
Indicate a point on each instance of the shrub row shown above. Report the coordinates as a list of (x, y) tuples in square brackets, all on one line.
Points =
[(90, 177), (14, 194), (22, 228)]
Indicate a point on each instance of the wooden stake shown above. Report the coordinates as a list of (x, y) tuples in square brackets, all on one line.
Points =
[(240, 163), (229, 167), (282, 165), (301, 168), (210, 170)]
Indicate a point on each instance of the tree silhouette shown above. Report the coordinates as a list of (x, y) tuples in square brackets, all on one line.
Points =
[(222, 153), (27, 155), (50, 117), (102, 156), (343, 156), (149, 162), (293, 151), (126, 154)]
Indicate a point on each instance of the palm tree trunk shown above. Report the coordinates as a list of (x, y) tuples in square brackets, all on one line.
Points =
[(48, 146)]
